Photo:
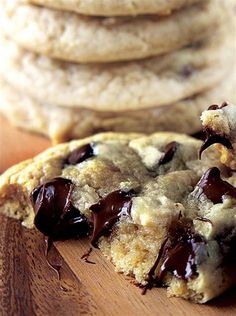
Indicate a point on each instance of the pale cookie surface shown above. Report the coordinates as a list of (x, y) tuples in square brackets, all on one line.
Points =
[(219, 123), (221, 120), (122, 86), (73, 37), (139, 198), (116, 7), (60, 124)]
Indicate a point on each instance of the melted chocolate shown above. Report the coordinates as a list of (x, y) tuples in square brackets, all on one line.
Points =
[(80, 154), (199, 135), (151, 274), (177, 254), (204, 219), (217, 107), (215, 138), (180, 259), (214, 187), (107, 211), (169, 152), (56, 217)]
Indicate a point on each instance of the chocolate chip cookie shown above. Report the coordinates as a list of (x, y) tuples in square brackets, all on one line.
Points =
[(116, 8), (148, 203), (78, 38)]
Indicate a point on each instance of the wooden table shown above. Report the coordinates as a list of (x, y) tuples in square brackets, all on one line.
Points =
[(29, 287)]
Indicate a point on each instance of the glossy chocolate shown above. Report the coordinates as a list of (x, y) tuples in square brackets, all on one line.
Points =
[(56, 217), (180, 259), (214, 187), (80, 154), (107, 211), (177, 254), (151, 274), (169, 152), (213, 138), (217, 107), (199, 135)]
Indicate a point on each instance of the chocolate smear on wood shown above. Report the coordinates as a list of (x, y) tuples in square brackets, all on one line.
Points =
[(86, 256)]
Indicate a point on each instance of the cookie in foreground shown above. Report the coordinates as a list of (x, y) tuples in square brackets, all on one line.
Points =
[(156, 211)]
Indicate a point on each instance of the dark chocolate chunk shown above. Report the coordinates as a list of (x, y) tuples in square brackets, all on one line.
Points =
[(213, 138), (169, 152), (199, 135), (107, 211), (214, 187), (217, 107), (177, 254), (56, 217), (180, 259), (80, 154), (187, 71)]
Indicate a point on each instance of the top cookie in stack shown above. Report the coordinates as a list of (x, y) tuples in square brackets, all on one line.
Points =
[(67, 75)]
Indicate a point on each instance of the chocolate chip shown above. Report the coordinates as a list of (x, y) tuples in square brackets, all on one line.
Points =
[(180, 259), (169, 152), (107, 211), (213, 107), (213, 138), (214, 187), (177, 254), (187, 71), (199, 135), (80, 154), (217, 107), (56, 217)]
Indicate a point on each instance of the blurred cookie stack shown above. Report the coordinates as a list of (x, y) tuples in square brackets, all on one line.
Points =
[(73, 68)]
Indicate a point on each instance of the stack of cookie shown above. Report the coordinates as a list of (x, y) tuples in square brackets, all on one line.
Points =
[(73, 68)]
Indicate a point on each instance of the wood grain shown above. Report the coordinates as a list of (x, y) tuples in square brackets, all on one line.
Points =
[(29, 287)]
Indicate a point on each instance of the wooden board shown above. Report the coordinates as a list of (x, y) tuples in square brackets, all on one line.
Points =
[(29, 287)]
